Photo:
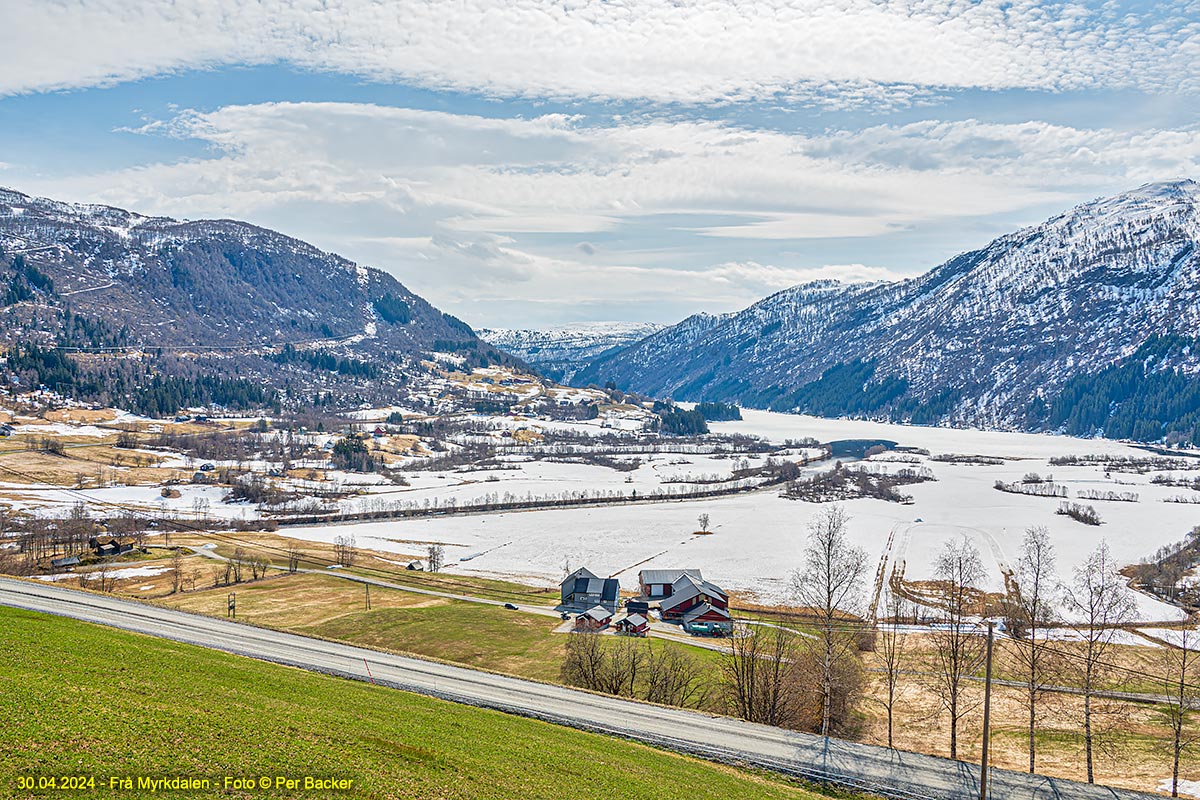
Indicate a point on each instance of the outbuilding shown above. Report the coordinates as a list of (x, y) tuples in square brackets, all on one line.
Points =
[(633, 625), (594, 619)]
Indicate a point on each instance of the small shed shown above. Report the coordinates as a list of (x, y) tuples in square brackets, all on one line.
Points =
[(593, 619), (65, 561), (633, 625), (415, 566)]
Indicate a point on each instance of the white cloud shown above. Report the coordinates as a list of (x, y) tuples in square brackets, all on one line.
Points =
[(835, 51), (767, 278), (471, 210)]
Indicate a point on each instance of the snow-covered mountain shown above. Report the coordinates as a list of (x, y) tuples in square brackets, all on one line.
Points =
[(211, 282), (209, 298), (1006, 336), (559, 352)]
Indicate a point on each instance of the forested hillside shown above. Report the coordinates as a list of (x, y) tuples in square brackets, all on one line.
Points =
[(1084, 324), (102, 304)]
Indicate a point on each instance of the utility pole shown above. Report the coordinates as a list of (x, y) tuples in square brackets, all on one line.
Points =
[(232, 607), (987, 713), (368, 587)]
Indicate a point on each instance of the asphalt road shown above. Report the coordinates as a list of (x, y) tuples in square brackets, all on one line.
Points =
[(875, 769)]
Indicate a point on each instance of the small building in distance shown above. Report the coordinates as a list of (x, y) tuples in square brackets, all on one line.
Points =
[(594, 619), (584, 589), (632, 625)]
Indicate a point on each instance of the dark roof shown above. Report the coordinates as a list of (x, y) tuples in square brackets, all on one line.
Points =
[(582, 572), (586, 583), (648, 576)]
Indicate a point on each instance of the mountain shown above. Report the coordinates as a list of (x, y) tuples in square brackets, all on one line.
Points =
[(205, 297), (1085, 324), (559, 352)]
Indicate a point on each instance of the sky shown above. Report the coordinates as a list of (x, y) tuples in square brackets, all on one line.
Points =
[(531, 163)]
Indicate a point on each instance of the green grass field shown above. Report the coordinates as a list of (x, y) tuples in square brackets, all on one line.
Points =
[(80, 699)]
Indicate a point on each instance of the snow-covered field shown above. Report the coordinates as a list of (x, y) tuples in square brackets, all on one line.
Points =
[(758, 539)]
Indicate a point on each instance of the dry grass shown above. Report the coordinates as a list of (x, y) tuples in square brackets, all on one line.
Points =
[(81, 416), (1133, 753)]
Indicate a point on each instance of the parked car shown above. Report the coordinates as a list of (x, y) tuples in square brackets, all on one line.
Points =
[(510, 606), (564, 615)]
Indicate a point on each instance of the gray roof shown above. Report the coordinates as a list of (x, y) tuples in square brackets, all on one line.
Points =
[(648, 576), (707, 587), (598, 613), (635, 619), (703, 609), (688, 587)]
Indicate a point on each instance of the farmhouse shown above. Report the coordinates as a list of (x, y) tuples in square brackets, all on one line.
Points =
[(695, 599), (584, 589), (114, 547), (593, 619)]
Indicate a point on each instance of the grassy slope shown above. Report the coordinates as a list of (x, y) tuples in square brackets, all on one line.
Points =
[(83, 699), (477, 635)]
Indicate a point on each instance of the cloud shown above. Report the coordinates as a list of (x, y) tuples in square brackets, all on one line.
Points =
[(497, 212), (839, 52), (767, 278)]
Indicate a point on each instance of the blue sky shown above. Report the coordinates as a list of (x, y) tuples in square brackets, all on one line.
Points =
[(534, 163)]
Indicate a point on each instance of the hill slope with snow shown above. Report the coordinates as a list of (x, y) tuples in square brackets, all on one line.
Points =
[(1084, 323), (560, 352)]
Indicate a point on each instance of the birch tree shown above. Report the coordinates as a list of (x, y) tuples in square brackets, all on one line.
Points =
[(1099, 599), (830, 586), (891, 655), (1032, 612), (958, 647), (1179, 676)]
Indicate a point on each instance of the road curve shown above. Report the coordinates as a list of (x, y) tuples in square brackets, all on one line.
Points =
[(901, 775)]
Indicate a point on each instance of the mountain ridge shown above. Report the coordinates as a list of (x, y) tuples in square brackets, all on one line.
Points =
[(221, 295), (989, 338)]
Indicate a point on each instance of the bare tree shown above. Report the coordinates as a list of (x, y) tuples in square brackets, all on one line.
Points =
[(344, 550), (103, 578), (611, 666), (294, 554), (958, 647), (1179, 675), (891, 655), (673, 678), (584, 662), (1099, 598), (758, 676), (238, 562), (624, 662), (259, 566), (176, 570), (435, 556), (704, 521), (1031, 612), (830, 586)]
